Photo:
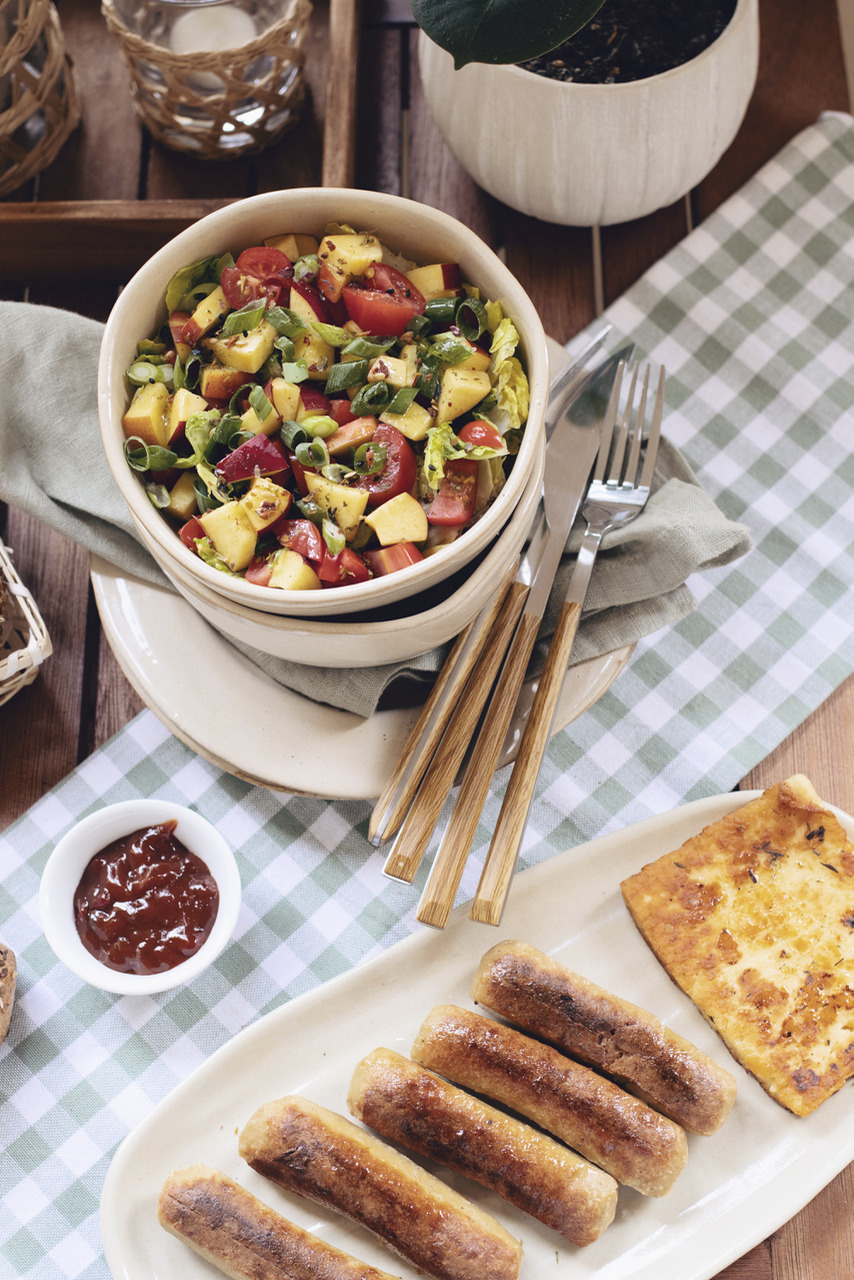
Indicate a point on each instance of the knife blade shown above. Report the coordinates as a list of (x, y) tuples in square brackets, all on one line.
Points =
[(570, 453), (425, 735)]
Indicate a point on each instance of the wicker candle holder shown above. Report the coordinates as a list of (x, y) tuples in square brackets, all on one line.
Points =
[(197, 95), (38, 98), (24, 642)]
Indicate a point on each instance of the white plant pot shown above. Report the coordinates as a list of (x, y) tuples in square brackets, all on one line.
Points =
[(584, 155)]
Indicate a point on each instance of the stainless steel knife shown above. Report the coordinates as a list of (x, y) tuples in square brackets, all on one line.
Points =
[(570, 453), (460, 663)]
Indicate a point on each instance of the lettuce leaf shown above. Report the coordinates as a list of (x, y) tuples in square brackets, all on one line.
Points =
[(510, 382)]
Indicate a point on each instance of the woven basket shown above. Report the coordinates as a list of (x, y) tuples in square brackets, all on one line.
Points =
[(262, 82), (38, 98), (24, 642)]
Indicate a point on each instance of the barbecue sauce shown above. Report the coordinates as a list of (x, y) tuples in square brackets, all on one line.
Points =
[(145, 903)]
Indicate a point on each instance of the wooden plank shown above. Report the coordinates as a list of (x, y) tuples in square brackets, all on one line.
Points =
[(340, 124), (48, 241), (48, 711)]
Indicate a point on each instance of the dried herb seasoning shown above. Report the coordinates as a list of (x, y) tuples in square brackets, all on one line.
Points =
[(634, 39)]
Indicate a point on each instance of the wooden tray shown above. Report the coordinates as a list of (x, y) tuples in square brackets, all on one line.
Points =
[(45, 242)]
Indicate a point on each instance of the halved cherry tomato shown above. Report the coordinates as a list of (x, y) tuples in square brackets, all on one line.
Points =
[(190, 531), (400, 555), (303, 537), (343, 569), (385, 302), (259, 570), (454, 503), (480, 433), (260, 272), (399, 471)]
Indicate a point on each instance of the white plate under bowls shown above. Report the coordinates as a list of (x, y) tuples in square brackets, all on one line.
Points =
[(226, 709), (738, 1187)]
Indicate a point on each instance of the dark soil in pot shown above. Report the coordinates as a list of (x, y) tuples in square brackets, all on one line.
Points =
[(635, 39)]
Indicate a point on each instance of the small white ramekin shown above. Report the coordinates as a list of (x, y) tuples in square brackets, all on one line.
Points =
[(66, 865)]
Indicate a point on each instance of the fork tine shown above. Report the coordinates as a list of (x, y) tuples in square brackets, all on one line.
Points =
[(654, 434), (621, 434), (608, 425), (636, 434)]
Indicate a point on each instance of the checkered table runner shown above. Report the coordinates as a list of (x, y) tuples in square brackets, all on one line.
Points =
[(753, 316)]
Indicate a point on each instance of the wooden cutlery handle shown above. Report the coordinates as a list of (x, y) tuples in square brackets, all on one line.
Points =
[(420, 822), (399, 791), (449, 863), (501, 859)]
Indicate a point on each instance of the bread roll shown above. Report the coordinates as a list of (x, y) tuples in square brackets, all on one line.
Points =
[(244, 1237), (416, 1108), (328, 1159), (618, 1132), (535, 992), (8, 978)]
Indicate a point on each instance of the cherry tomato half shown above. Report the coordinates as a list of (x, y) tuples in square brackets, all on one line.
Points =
[(385, 302), (342, 570), (260, 272), (398, 473), (478, 433), (303, 537), (454, 503)]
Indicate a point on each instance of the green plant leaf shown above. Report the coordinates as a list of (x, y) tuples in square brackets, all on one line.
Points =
[(501, 31)]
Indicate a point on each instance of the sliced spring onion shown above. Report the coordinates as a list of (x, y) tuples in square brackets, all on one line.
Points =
[(441, 309), (158, 495), (373, 397), (333, 537), (259, 402), (312, 453), (450, 348), (369, 459), (367, 348), (349, 373), (242, 320), (305, 268), (471, 318), (402, 400), (148, 457), (292, 434), (308, 508), (286, 322), (244, 387), (143, 371), (336, 472), (319, 426), (332, 333), (294, 371)]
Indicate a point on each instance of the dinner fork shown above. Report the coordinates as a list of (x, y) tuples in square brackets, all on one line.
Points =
[(616, 495)]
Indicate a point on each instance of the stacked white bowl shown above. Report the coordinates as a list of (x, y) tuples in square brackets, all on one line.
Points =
[(392, 617)]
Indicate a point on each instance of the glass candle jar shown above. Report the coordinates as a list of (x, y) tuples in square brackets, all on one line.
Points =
[(214, 78)]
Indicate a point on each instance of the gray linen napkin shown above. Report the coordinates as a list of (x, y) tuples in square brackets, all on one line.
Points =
[(52, 466)]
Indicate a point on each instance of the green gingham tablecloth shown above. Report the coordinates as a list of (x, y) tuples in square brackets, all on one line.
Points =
[(753, 316)]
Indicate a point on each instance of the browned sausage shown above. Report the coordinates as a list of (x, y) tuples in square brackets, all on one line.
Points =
[(618, 1132), (416, 1108), (245, 1238), (328, 1159), (535, 992)]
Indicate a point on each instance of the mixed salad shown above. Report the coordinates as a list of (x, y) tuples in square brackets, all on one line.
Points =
[(319, 412)]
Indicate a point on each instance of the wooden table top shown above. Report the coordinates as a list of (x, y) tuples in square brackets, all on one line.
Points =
[(113, 188)]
